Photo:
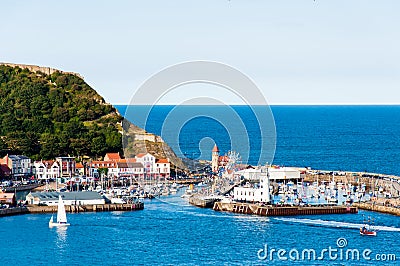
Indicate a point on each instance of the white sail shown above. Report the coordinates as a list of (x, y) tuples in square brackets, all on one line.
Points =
[(61, 215), (51, 221)]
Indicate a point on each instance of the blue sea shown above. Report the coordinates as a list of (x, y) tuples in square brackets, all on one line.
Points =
[(351, 138), (171, 232)]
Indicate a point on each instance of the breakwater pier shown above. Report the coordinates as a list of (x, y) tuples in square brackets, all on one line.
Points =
[(372, 206), (72, 208), (255, 209), (203, 201)]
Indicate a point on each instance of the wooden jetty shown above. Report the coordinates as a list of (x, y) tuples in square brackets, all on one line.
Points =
[(255, 209), (72, 208)]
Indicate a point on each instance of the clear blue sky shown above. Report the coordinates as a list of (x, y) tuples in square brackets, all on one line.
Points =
[(299, 51)]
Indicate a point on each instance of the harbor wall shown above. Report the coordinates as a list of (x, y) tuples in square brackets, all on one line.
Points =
[(13, 211), (201, 202), (247, 208), (72, 208), (377, 208), (87, 208)]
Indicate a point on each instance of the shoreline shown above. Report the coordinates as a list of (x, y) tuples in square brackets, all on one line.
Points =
[(371, 206), (256, 209), (381, 202), (34, 209)]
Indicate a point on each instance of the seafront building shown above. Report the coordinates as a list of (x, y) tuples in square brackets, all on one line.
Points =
[(275, 173), (5, 171), (258, 181), (20, 165), (252, 184), (7, 198), (45, 170), (64, 169), (143, 166), (67, 166), (69, 198), (249, 193)]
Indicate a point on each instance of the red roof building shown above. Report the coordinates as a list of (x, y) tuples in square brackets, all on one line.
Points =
[(112, 156), (7, 198), (162, 160), (5, 171), (215, 149)]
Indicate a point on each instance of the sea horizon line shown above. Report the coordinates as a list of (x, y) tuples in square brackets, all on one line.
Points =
[(274, 104)]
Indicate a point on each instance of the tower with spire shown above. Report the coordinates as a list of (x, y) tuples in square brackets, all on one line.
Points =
[(214, 159)]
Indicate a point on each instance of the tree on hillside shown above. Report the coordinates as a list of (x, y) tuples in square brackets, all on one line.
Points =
[(50, 115)]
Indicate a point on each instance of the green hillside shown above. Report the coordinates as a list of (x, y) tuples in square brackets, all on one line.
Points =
[(44, 116)]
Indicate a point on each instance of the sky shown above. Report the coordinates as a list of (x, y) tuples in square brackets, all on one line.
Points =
[(297, 52)]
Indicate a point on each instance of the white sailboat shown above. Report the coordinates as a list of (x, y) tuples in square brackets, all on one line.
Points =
[(61, 215)]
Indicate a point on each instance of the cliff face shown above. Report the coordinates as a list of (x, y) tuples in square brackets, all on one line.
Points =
[(136, 140)]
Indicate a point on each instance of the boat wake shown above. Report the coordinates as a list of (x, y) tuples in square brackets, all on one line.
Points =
[(319, 222)]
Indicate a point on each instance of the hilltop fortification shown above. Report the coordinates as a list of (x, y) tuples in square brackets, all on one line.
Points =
[(35, 69)]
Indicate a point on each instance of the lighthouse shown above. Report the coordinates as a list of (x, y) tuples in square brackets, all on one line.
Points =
[(214, 159)]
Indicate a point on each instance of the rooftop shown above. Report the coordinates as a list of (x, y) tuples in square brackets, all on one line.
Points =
[(112, 156), (215, 149), (81, 195)]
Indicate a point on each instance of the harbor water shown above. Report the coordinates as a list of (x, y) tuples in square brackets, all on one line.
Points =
[(348, 138), (169, 231)]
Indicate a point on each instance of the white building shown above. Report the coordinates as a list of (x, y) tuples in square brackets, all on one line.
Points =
[(130, 169), (79, 169), (143, 165), (20, 165), (111, 166), (275, 173), (154, 167), (260, 193), (67, 166), (69, 198), (148, 161), (45, 170), (162, 168)]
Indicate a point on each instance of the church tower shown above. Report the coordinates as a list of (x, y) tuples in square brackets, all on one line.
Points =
[(214, 159)]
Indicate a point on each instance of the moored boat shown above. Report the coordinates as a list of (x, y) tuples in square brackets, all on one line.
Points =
[(61, 215)]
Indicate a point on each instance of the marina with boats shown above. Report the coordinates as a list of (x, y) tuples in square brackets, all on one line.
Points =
[(268, 190), (284, 191)]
